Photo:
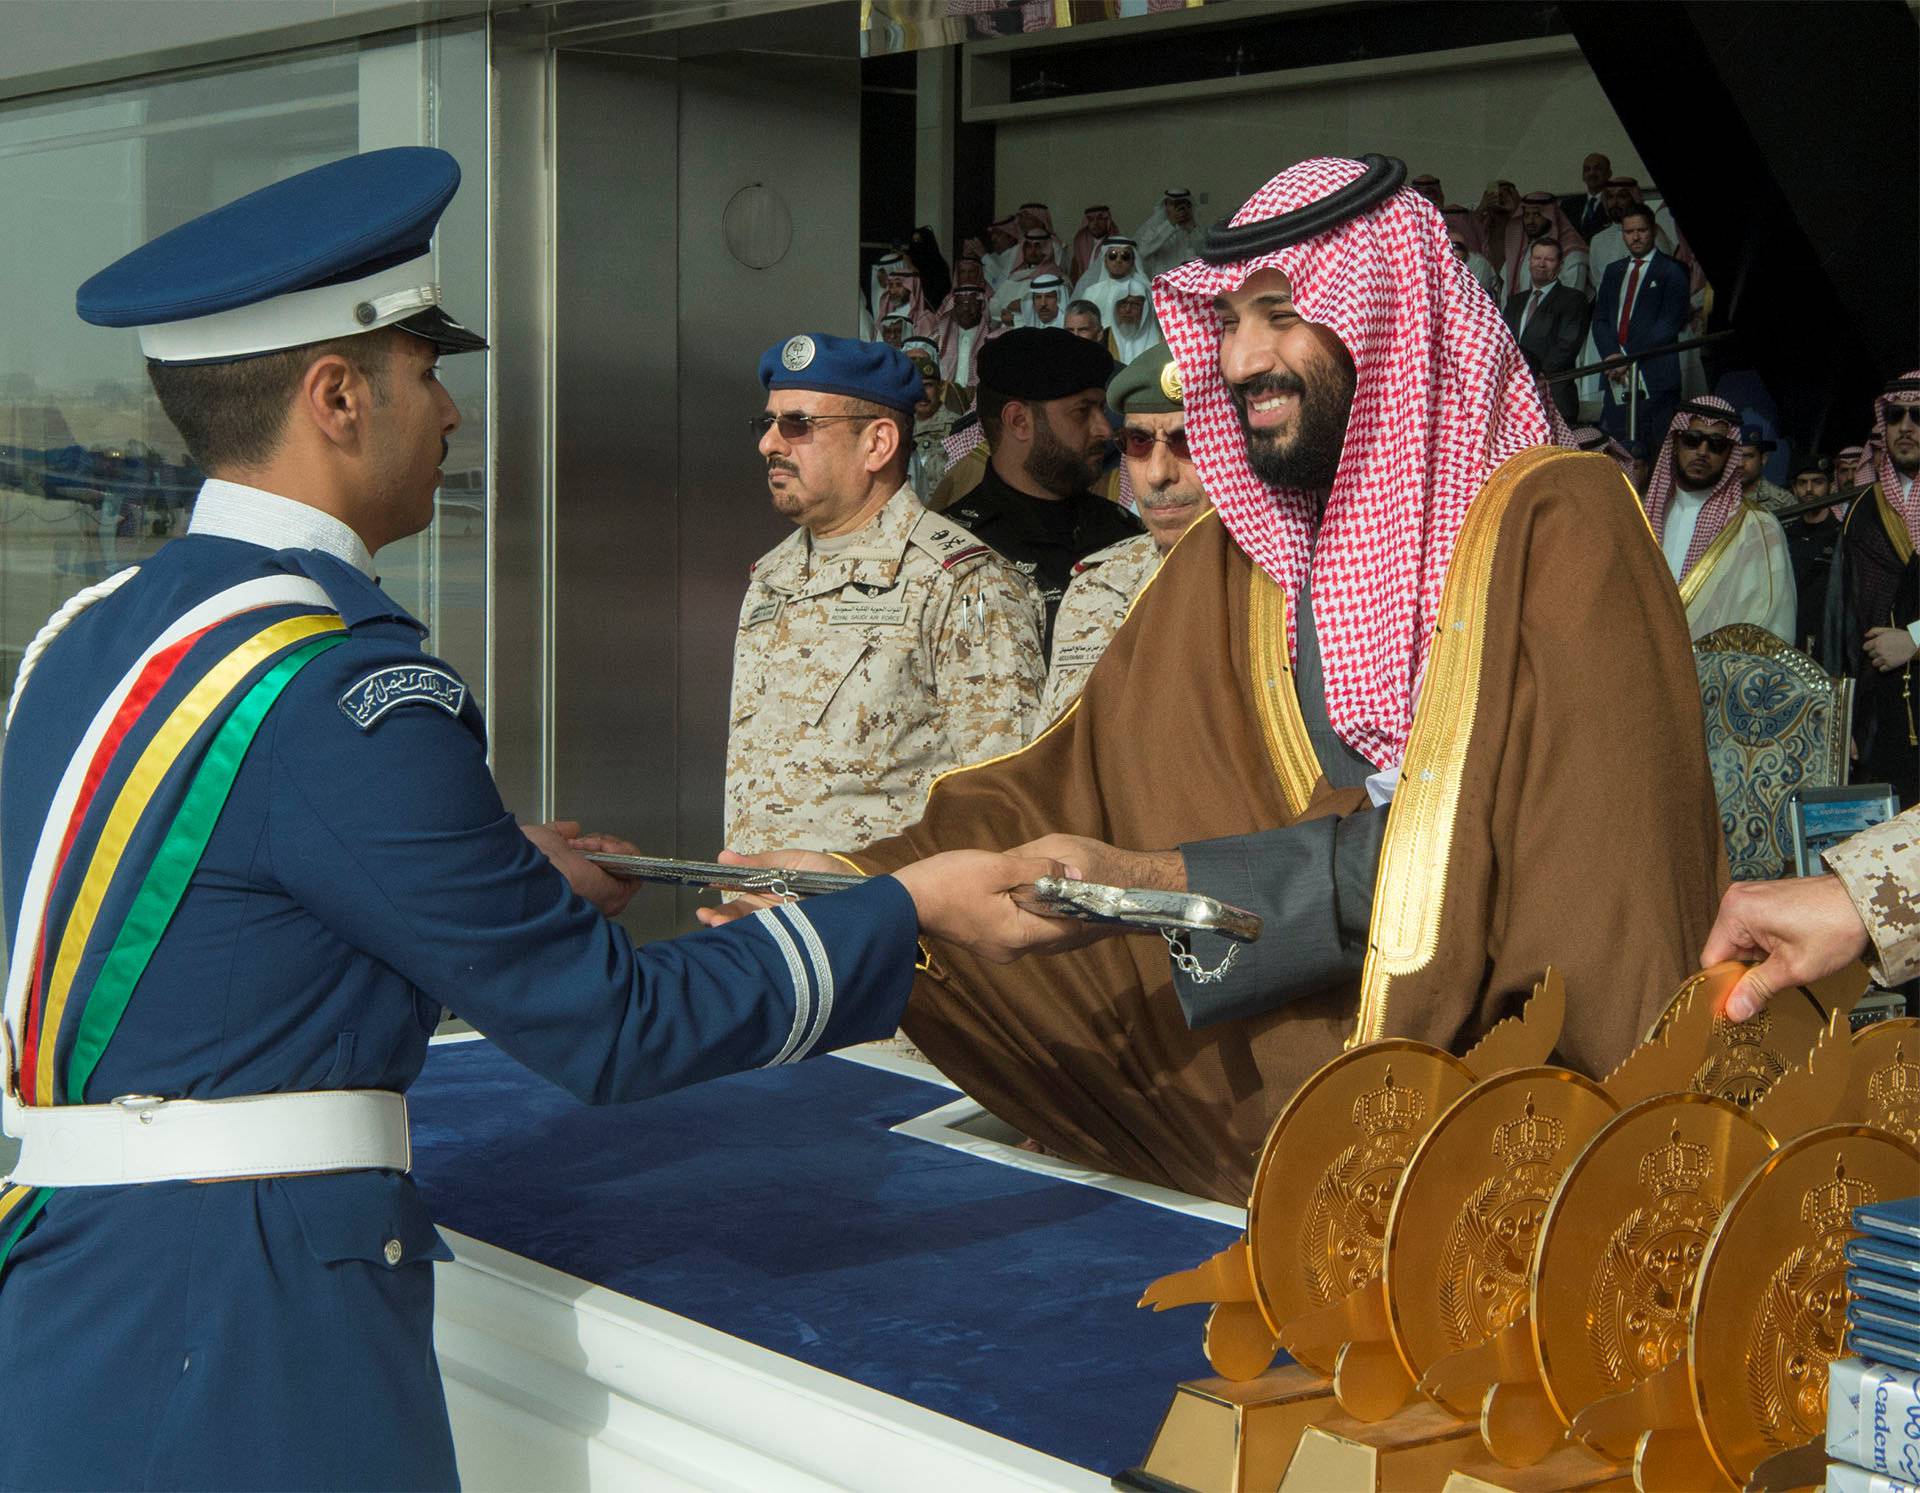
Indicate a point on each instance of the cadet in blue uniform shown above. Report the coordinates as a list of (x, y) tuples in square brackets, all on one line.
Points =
[(251, 846)]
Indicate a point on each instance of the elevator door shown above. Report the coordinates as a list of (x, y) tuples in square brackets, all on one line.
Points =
[(704, 207)]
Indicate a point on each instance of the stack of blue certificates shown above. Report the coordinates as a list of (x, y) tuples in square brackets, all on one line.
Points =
[(1873, 1396)]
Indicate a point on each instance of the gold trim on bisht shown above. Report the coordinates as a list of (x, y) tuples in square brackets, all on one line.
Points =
[(1896, 526), (1714, 553), (1276, 698), (1410, 889)]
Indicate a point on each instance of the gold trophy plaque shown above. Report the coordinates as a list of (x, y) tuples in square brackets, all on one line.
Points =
[(1460, 1241), (1612, 1290)]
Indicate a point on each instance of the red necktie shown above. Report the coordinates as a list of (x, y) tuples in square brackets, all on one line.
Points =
[(1626, 301)]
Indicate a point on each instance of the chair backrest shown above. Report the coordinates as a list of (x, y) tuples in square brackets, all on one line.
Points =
[(1776, 722)]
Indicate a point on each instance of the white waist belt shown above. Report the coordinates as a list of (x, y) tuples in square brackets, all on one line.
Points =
[(137, 1138)]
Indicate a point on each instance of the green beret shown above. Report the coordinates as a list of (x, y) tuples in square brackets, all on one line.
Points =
[(1149, 385)]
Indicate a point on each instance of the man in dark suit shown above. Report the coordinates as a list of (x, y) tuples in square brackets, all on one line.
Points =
[(1587, 210), (1642, 304), (1549, 321)]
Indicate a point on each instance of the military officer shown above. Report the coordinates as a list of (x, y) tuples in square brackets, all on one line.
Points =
[(1167, 489), (251, 847), (1042, 404), (880, 644)]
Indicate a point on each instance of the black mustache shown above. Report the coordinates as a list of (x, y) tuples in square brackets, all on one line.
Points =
[(1268, 383), (777, 465)]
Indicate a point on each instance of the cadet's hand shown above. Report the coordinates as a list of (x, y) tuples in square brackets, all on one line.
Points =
[(743, 903), (1802, 929), (1090, 860), (1890, 648), (556, 842), (966, 897)]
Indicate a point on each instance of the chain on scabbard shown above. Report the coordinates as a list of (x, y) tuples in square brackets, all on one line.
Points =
[(1191, 967)]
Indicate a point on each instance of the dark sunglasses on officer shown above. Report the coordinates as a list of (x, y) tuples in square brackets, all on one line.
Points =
[(1139, 443)]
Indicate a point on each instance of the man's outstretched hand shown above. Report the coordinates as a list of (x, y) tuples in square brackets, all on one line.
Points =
[(968, 898), (1800, 930), (561, 842)]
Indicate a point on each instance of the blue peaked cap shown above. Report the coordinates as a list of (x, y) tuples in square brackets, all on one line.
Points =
[(333, 251), (843, 365)]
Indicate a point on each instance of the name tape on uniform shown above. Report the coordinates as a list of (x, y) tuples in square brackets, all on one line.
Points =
[(866, 611), (368, 702), (1079, 655), (765, 611)]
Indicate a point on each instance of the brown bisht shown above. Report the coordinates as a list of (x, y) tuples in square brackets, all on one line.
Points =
[(1554, 807)]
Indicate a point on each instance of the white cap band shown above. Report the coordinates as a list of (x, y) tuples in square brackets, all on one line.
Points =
[(298, 317)]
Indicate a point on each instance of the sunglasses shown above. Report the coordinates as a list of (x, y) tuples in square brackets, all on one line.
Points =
[(1139, 444), (794, 426), (1689, 440), (1899, 414)]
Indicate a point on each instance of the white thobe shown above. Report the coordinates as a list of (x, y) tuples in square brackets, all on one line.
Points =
[(1160, 243), (1745, 576)]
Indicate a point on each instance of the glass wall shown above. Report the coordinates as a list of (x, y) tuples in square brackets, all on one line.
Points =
[(92, 475)]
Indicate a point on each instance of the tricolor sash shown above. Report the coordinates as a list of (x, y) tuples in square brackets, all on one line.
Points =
[(167, 802)]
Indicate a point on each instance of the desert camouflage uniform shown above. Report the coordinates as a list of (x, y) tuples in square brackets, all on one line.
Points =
[(1095, 604), (1880, 868), (1770, 496), (861, 675)]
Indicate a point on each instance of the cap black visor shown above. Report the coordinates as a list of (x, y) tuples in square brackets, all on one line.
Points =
[(446, 334)]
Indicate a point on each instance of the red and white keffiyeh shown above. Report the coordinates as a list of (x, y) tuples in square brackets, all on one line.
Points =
[(1722, 503), (1441, 398), (1905, 502)]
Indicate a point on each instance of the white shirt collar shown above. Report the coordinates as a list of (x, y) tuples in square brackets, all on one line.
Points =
[(231, 510)]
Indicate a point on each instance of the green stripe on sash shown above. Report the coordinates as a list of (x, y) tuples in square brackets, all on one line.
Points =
[(15, 1223), (173, 866)]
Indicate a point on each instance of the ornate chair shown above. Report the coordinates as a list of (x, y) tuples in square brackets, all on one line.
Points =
[(1776, 721)]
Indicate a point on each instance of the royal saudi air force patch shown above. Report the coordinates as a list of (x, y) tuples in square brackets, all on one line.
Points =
[(369, 701)]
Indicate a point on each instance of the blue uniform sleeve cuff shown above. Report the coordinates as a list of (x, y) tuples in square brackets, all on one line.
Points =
[(850, 960)]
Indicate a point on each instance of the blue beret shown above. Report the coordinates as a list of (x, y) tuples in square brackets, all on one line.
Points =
[(843, 365), (1756, 437), (328, 253)]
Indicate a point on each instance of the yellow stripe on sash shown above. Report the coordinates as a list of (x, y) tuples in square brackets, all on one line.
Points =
[(142, 783)]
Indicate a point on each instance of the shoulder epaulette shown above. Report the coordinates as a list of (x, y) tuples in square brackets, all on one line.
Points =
[(948, 542)]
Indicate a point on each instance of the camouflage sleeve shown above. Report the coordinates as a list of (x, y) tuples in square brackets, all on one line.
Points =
[(988, 667), (1081, 632), (1880, 868)]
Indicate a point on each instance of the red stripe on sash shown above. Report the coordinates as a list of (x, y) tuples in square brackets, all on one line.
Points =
[(153, 678)]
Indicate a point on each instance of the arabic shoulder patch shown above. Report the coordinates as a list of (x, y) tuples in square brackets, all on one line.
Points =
[(368, 702)]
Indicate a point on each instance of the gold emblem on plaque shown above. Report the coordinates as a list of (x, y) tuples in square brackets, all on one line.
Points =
[(1347, 1220), (1745, 1065), (1769, 1307), (1638, 1300), (1885, 1089), (1803, 1316), (1483, 1275)]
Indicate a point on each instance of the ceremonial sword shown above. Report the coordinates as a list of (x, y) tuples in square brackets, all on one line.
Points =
[(1049, 896)]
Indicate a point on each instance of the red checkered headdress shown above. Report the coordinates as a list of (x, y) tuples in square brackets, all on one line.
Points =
[(1903, 390), (1441, 398), (1722, 503)]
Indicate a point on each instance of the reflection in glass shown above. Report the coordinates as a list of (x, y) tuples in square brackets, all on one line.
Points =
[(92, 475)]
